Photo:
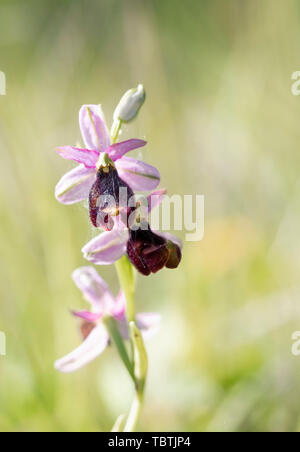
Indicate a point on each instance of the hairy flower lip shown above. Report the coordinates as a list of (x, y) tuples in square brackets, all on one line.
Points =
[(152, 249), (106, 200), (150, 252)]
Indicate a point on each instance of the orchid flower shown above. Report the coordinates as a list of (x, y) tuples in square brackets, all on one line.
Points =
[(104, 176), (103, 304), (148, 251), (76, 185)]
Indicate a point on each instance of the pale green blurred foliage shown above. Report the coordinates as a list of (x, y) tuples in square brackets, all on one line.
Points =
[(221, 121)]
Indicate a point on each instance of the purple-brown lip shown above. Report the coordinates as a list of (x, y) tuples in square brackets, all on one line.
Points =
[(105, 201), (149, 252)]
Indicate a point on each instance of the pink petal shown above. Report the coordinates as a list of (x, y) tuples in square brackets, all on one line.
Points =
[(75, 185), (90, 349), (90, 317), (138, 175), (148, 323), (93, 127), (117, 150), (118, 310), (94, 288), (155, 198), (85, 156), (107, 247)]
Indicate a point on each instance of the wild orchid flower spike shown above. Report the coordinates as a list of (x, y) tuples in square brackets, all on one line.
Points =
[(76, 185), (148, 251), (103, 175), (103, 304)]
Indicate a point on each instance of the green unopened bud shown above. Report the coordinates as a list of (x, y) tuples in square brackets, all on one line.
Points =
[(130, 104)]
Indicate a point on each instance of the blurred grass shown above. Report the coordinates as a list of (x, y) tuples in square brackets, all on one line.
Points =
[(220, 121)]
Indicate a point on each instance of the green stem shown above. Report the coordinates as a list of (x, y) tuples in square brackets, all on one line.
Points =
[(134, 413), (115, 130), (126, 277), (137, 366), (139, 354)]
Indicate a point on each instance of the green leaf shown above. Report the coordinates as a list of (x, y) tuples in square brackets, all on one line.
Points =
[(117, 338)]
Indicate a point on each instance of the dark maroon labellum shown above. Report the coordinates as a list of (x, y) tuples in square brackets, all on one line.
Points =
[(109, 198), (149, 252)]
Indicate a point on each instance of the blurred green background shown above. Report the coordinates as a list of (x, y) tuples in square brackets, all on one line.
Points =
[(221, 121)]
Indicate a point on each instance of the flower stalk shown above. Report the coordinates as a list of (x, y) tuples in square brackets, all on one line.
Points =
[(134, 413), (115, 130), (126, 277), (140, 373), (139, 360)]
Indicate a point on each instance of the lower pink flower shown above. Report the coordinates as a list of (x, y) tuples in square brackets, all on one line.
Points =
[(95, 335)]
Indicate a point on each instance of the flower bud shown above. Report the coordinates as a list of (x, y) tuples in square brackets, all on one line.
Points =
[(130, 104)]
